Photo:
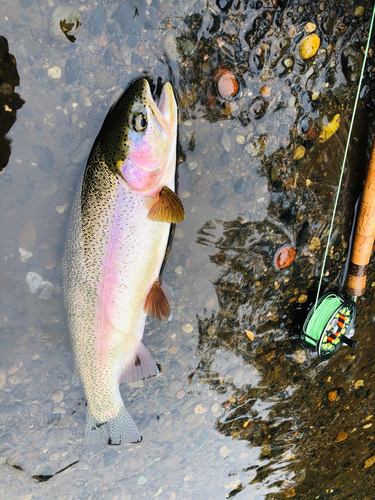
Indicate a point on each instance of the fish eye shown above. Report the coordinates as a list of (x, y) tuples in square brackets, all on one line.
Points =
[(139, 122)]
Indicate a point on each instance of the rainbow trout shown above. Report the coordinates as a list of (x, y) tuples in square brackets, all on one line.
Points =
[(117, 239)]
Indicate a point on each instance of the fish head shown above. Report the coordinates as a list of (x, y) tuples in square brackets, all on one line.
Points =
[(142, 137)]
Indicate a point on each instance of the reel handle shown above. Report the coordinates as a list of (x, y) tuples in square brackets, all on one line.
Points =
[(355, 283)]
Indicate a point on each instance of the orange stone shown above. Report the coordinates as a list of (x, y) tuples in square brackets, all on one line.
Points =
[(341, 436), (284, 256), (226, 82)]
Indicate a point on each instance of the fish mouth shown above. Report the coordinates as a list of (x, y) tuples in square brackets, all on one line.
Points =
[(165, 112)]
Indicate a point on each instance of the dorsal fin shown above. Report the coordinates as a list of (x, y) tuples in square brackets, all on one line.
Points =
[(168, 208), (156, 303)]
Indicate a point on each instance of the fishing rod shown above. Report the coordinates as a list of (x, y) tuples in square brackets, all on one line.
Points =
[(332, 318)]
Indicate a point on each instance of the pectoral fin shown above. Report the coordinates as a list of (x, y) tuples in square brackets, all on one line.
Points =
[(168, 208), (156, 303)]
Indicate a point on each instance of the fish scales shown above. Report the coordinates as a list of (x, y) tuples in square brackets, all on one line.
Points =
[(113, 257)]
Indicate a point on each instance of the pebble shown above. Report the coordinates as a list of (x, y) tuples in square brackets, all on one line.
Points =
[(310, 27), (288, 63), (359, 383), (54, 72), (240, 139), (224, 451), (199, 409), (172, 349), (226, 82), (58, 396), (309, 46), (136, 384), (332, 394), (24, 254), (314, 243), (142, 480), (47, 290), (302, 298), (290, 492), (188, 328), (60, 209), (215, 407), (265, 91), (341, 436), (370, 461), (50, 262), (190, 417), (54, 456), (284, 256), (170, 47), (178, 270), (299, 152), (329, 129), (15, 368), (65, 15), (299, 356), (34, 280), (27, 235), (359, 11), (250, 334), (180, 394), (366, 426)]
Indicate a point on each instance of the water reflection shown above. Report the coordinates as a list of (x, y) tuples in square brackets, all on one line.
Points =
[(10, 101)]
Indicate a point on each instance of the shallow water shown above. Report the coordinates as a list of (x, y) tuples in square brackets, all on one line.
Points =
[(240, 409)]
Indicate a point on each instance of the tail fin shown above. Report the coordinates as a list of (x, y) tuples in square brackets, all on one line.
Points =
[(121, 429)]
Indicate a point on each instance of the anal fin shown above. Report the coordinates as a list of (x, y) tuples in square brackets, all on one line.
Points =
[(168, 207), (141, 366), (156, 303)]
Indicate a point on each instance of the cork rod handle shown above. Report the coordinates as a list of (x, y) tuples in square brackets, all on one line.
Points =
[(355, 283)]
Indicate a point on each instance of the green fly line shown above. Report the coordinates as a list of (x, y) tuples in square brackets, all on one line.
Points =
[(320, 318), (318, 321)]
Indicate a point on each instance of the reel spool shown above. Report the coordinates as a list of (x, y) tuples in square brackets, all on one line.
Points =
[(327, 326)]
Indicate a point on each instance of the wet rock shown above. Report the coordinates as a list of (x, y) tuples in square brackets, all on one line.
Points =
[(359, 11), (226, 83), (27, 235), (72, 69), (314, 243), (299, 356), (47, 290), (65, 23), (216, 188), (44, 157), (97, 19), (299, 152), (332, 395), (309, 46), (284, 257), (34, 280), (258, 107), (351, 61), (54, 72), (341, 436), (260, 28), (170, 47), (329, 128), (310, 27), (370, 461), (24, 254)]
